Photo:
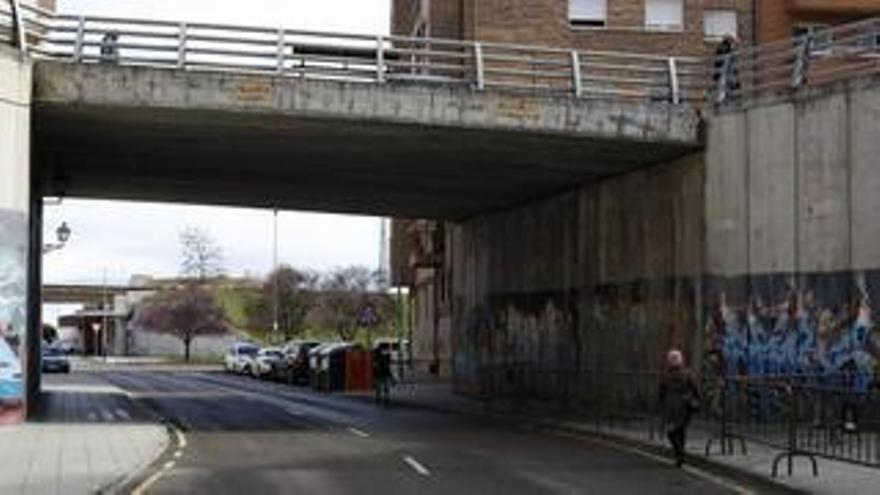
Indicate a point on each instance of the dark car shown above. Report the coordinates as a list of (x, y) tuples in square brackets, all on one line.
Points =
[(295, 366), (54, 361)]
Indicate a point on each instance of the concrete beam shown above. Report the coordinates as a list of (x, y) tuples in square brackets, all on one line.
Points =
[(395, 149)]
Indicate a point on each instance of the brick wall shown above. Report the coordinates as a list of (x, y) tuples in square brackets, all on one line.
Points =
[(776, 19), (546, 22)]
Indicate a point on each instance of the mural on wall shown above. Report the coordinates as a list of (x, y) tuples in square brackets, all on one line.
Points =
[(824, 327), (13, 295)]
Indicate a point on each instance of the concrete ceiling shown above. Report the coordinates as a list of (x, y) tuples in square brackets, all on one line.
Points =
[(248, 159)]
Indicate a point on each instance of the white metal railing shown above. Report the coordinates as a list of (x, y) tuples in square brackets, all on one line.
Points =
[(816, 58), (354, 57), (743, 74)]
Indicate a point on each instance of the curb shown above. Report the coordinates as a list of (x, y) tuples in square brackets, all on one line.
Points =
[(136, 482)]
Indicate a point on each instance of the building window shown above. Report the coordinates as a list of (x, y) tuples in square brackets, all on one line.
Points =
[(719, 23), (664, 15), (588, 12)]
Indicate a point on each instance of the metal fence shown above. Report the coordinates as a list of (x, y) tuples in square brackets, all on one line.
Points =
[(355, 57), (815, 58), (834, 416)]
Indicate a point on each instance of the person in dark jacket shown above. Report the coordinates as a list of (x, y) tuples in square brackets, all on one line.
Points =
[(679, 400), (726, 65), (382, 374)]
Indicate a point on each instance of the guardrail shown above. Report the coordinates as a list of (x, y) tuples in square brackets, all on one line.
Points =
[(358, 58), (740, 76), (782, 67), (811, 416)]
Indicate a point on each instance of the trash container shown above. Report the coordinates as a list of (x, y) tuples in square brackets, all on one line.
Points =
[(358, 370)]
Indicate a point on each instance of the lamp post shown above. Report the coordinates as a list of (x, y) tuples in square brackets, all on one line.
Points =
[(62, 234)]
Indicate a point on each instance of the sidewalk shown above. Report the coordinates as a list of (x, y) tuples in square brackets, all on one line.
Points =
[(835, 478), (92, 437)]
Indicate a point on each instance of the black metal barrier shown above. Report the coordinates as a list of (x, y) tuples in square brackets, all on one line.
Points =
[(833, 416)]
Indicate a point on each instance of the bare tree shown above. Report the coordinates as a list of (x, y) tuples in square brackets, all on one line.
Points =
[(201, 257), (351, 298), (288, 295), (184, 313)]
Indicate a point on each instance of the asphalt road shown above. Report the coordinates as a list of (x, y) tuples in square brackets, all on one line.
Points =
[(249, 437)]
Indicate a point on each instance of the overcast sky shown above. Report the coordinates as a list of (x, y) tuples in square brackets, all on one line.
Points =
[(125, 238)]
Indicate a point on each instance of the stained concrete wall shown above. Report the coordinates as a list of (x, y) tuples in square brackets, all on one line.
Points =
[(759, 256), (15, 98), (598, 278), (793, 185)]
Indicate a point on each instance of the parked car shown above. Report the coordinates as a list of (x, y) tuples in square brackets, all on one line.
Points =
[(55, 361), (267, 362), (10, 375), (240, 358), (295, 365)]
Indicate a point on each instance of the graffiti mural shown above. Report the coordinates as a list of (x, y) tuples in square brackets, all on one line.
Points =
[(815, 326), (13, 294)]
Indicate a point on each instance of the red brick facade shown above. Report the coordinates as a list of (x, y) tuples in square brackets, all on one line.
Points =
[(546, 22), (777, 19)]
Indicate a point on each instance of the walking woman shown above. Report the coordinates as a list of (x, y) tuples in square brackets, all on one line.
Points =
[(679, 400)]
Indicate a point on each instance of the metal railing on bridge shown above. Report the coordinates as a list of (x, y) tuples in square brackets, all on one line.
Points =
[(740, 76), (353, 57)]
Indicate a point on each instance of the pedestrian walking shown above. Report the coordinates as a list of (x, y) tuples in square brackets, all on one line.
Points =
[(679, 400), (382, 374)]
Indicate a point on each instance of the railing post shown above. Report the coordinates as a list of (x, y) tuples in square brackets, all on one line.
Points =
[(80, 39), (674, 88), (480, 73), (802, 62), (19, 30), (281, 47), (380, 59), (576, 82), (181, 46)]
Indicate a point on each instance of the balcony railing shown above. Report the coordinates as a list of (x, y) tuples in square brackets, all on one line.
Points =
[(302, 54), (779, 68)]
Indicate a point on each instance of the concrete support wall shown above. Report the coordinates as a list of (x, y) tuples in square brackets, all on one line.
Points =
[(591, 281), (805, 298), (760, 256), (15, 94)]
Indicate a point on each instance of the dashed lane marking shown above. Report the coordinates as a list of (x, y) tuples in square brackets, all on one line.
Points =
[(417, 467), (358, 433), (168, 466)]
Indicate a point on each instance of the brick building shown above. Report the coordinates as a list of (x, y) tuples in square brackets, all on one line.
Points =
[(783, 18), (678, 27)]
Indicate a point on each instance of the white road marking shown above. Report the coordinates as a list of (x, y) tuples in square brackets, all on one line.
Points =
[(358, 433), (168, 465), (294, 412), (123, 414), (92, 416), (107, 415), (416, 466)]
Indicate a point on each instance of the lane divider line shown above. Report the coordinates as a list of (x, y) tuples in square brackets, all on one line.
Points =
[(358, 433), (417, 467)]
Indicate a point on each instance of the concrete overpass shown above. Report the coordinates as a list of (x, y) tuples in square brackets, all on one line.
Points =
[(583, 203), (139, 133), (238, 115)]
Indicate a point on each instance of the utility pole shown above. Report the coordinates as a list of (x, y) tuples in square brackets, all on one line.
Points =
[(275, 273)]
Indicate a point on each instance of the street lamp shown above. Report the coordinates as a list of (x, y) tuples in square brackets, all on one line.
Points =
[(62, 233)]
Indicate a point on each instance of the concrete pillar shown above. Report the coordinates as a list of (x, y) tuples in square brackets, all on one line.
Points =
[(15, 186)]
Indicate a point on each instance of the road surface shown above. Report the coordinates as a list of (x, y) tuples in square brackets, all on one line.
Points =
[(244, 436)]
